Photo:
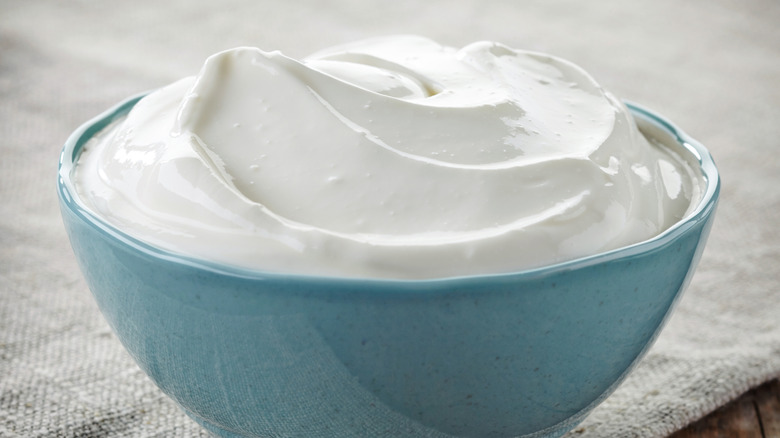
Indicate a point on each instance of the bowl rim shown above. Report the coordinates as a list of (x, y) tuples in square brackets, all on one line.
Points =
[(69, 199)]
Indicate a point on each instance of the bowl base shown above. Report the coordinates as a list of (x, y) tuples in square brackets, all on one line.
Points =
[(212, 429), (555, 431)]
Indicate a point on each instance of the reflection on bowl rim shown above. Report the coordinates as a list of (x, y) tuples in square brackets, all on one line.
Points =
[(80, 136)]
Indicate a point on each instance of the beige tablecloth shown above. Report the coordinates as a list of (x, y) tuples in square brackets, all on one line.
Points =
[(711, 66)]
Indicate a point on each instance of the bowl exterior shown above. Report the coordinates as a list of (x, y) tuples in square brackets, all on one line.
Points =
[(505, 356), (257, 355)]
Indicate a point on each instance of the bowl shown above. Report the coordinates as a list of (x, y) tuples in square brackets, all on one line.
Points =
[(247, 353)]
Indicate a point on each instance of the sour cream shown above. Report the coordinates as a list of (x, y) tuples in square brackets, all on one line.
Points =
[(388, 158)]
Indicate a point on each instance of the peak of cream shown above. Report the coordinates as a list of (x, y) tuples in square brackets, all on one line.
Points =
[(389, 158)]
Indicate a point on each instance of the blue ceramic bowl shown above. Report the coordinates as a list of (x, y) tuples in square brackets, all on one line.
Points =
[(253, 354)]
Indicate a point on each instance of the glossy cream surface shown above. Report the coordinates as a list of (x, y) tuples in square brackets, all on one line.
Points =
[(388, 158)]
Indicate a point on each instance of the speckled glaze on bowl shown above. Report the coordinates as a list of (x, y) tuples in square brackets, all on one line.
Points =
[(253, 354)]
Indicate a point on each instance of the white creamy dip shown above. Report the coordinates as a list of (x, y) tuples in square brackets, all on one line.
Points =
[(389, 158)]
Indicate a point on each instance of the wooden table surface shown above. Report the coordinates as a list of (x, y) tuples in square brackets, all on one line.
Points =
[(754, 415)]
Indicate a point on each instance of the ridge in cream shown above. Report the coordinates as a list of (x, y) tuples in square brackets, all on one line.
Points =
[(387, 158)]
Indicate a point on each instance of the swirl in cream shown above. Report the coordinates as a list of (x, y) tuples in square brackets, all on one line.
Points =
[(392, 158)]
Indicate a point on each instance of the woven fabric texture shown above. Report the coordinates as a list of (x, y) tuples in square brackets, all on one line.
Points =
[(710, 66)]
